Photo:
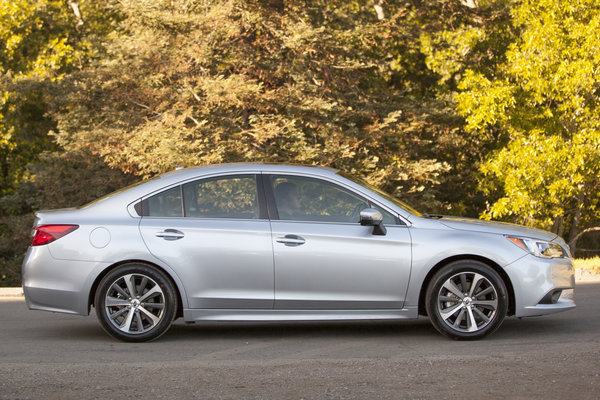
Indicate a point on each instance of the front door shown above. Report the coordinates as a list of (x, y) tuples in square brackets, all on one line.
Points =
[(324, 259)]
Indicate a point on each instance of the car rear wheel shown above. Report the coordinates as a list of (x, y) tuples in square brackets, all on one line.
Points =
[(136, 303), (466, 300)]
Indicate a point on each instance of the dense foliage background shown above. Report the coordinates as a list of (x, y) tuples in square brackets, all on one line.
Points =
[(480, 108)]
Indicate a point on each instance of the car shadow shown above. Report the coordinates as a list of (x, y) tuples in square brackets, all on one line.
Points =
[(511, 329), (88, 329), (181, 331)]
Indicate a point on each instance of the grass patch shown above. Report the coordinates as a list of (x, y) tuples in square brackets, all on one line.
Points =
[(590, 264)]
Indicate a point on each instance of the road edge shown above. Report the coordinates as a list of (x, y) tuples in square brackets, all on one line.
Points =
[(11, 292)]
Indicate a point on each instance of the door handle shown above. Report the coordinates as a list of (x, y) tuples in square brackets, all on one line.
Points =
[(291, 240), (170, 234)]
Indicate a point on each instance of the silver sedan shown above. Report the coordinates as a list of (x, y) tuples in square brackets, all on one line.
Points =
[(255, 242)]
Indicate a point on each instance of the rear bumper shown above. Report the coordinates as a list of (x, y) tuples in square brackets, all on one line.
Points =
[(54, 300), (534, 281), (57, 285)]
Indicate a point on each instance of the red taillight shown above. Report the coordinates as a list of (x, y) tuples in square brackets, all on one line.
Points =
[(45, 234)]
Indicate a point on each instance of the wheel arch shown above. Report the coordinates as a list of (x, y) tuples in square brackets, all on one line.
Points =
[(466, 257), (106, 271)]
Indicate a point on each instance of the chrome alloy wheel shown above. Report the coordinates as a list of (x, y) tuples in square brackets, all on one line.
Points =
[(467, 302), (134, 304)]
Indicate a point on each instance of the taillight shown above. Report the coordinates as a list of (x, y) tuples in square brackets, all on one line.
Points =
[(45, 234)]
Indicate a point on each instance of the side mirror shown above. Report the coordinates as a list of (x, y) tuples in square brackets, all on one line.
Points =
[(374, 218)]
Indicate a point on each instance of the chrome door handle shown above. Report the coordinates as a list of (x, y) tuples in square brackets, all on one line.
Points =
[(291, 240), (170, 234)]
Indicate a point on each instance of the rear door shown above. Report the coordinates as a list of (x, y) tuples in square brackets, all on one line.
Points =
[(214, 233)]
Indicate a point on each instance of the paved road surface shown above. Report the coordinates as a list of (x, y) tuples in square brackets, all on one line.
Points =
[(55, 356)]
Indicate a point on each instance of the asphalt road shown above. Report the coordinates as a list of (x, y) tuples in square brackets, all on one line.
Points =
[(55, 356)]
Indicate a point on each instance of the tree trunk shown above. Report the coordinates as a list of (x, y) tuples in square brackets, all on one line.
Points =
[(470, 3), (4, 180), (558, 225), (574, 234), (378, 4), (573, 242), (75, 7)]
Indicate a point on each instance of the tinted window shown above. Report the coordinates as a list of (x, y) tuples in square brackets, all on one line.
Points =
[(383, 194), (227, 197), (388, 219), (165, 204), (306, 199)]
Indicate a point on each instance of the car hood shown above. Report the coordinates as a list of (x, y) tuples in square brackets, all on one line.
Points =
[(502, 228)]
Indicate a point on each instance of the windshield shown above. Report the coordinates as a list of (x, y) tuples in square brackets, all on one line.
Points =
[(381, 193)]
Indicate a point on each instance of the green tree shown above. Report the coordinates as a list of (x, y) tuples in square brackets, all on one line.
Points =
[(543, 102), (40, 42), (458, 37)]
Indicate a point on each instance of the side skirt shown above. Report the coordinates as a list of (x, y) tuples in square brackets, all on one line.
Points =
[(296, 315)]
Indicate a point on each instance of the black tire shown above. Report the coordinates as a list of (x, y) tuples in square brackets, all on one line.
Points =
[(466, 300), (141, 316)]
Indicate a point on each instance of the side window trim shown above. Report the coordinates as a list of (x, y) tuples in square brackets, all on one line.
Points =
[(182, 201), (263, 211), (270, 197)]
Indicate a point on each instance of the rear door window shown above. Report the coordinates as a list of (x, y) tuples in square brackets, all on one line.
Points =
[(226, 197), (234, 197)]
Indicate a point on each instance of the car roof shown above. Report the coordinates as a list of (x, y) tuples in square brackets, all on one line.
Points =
[(248, 167), (180, 175), (184, 174)]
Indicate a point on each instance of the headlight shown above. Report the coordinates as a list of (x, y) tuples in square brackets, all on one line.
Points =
[(539, 248)]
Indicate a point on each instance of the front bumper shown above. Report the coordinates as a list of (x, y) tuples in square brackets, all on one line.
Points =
[(542, 286)]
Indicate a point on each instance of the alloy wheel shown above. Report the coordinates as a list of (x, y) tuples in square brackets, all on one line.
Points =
[(134, 304), (467, 302)]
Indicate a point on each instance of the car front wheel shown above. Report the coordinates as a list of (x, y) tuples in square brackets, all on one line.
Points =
[(466, 300), (135, 303)]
